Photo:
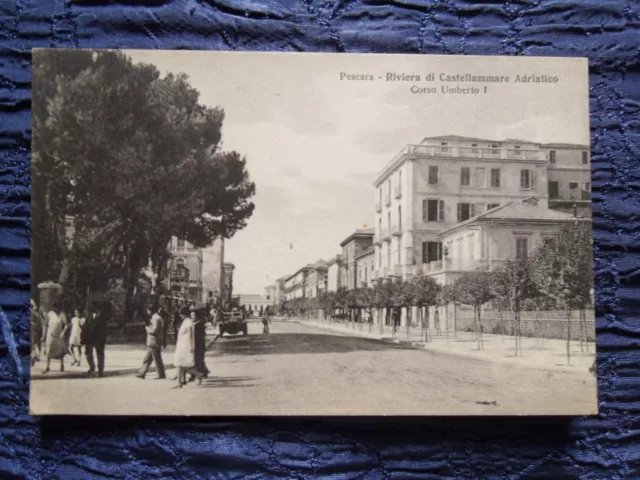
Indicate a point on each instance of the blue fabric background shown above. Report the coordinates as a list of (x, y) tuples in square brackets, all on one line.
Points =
[(604, 447)]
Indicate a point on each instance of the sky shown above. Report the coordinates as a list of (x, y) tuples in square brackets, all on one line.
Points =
[(314, 143)]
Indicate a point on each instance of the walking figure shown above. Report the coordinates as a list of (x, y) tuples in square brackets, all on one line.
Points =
[(94, 337), (266, 320), (75, 340), (155, 342), (54, 334)]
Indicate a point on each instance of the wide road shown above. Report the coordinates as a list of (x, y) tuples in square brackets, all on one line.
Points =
[(303, 370)]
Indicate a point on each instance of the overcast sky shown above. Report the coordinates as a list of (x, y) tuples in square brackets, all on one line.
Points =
[(314, 143)]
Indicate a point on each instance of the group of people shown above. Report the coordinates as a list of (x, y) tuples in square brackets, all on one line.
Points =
[(54, 337), (189, 355)]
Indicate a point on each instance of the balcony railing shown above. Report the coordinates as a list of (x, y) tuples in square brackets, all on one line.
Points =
[(397, 191), (396, 230), (472, 152)]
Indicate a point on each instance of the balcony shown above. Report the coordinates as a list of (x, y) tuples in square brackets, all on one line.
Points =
[(396, 230), (472, 152), (397, 191), (378, 206), (180, 275)]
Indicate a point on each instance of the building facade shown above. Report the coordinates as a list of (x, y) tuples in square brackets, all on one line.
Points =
[(352, 246), (256, 303), (443, 181), (509, 232), (316, 283), (334, 273), (569, 177), (270, 294), (227, 283), (295, 285), (213, 271), (185, 270), (365, 268)]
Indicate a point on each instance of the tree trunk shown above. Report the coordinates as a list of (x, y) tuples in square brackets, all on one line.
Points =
[(568, 336)]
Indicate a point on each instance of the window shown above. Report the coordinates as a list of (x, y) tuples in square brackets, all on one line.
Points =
[(492, 206), (474, 148), (554, 191), (494, 149), (433, 174), (399, 254), (586, 191), (465, 176), (522, 248), (181, 244), (552, 156), (465, 211), (433, 210), (444, 147), (399, 218), (479, 177), (517, 150), (528, 179), (431, 252), (380, 192), (573, 185), (495, 178), (389, 222), (585, 158)]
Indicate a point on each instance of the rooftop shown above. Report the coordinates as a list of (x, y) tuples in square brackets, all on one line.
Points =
[(361, 232), (526, 210)]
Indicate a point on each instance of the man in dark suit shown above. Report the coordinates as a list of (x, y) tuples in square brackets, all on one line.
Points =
[(94, 337), (155, 342)]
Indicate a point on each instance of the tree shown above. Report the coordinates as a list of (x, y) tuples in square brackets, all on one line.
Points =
[(133, 159), (515, 283), (425, 293), (562, 268), (474, 289)]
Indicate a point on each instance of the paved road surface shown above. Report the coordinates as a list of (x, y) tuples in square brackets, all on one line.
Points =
[(302, 370)]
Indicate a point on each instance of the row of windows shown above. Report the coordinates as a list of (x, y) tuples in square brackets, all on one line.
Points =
[(585, 157), (433, 251), (584, 193), (527, 177), (433, 210)]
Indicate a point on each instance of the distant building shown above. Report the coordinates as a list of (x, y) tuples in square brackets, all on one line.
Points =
[(254, 302), (295, 285), (270, 293), (334, 273), (365, 268), (185, 269), (213, 271), (352, 246), (316, 283), (569, 177), (227, 283)]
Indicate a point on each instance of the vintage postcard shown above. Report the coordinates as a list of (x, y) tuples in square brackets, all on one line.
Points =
[(235, 233)]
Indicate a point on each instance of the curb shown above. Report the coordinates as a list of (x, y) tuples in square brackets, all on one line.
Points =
[(111, 373), (423, 346)]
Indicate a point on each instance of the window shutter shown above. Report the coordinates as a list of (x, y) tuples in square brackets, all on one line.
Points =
[(441, 210), (523, 178), (459, 212), (425, 210), (424, 252), (532, 179), (472, 210)]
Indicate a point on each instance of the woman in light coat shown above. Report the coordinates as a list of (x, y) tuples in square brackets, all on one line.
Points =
[(184, 356), (54, 334)]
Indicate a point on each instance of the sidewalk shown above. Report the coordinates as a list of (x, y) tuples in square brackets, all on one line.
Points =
[(542, 354), (119, 359)]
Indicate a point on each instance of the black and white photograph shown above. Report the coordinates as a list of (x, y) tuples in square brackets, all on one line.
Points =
[(310, 234)]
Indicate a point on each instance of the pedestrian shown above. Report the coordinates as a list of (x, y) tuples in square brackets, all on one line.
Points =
[(184, 355), (36, 333), (200, 343), (54, 335), (155, 340), (75, 341), (94, 338), (177, 321), (165, 326), (265, 323)]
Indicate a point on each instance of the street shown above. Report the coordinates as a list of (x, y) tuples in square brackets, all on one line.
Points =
[(303, 370)]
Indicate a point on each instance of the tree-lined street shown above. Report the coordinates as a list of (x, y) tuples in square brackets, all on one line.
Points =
[(302, 370)]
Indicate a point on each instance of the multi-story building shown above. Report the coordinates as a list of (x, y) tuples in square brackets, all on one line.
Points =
[(213, 271), (254, 302), (334, 273), (441, 182), (270, 294), (365, 267), (569, 177), (316, 283), (295, 285), (185, 269), (352, 246), (510, 231)]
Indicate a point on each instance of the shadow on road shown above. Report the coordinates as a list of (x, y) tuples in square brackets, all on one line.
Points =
[(228, 382), (291, 343)]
